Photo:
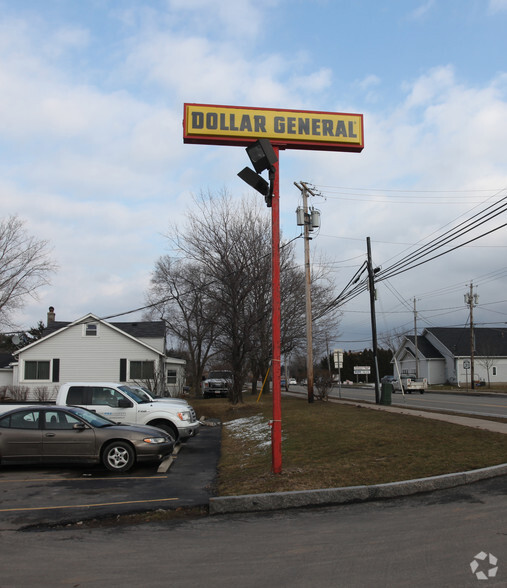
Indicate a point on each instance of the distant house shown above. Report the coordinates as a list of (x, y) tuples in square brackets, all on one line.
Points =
[(92, 349), (443, 355)]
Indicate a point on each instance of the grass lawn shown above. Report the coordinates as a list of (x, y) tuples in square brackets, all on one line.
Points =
[(328, 445)]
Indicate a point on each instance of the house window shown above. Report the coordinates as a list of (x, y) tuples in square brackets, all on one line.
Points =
[(142, 370), (494, 370), (37, 370), (172, 376), (91, 329)]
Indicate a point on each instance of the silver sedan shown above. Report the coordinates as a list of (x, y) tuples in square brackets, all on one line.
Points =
[(41, 434)]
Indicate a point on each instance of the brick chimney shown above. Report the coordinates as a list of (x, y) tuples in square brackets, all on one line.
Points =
[(51, 315)]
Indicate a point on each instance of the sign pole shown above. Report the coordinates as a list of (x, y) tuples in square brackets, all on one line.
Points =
[(240, 126), (276, 432)]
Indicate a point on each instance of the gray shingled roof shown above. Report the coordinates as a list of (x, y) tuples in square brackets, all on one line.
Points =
[(137, 329), (488, 342), (425, 348)]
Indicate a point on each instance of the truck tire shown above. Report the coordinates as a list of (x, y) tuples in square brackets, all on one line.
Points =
[(118, 456), (168, 427)]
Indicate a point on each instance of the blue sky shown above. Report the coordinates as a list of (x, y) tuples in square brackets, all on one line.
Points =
[(92, 157)]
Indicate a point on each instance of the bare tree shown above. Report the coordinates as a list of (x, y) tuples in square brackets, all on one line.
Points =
[(231, 242), (487, 361), (216, 297), (179, 295), (25, 266)]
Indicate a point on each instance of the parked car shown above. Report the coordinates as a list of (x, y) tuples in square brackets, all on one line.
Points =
[(40, 434), (388, 380), (292, 381)]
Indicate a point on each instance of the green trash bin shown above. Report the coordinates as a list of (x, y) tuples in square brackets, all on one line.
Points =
[(385, 394)]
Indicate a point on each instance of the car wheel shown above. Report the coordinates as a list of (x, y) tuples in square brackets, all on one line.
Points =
[(118, 456)]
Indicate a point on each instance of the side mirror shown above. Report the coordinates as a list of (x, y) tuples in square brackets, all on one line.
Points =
[(79, 426), (124, 403)]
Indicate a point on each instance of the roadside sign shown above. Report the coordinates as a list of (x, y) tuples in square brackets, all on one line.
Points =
[(338, 358), (362, 370)]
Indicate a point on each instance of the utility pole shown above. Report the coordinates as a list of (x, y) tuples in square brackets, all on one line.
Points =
[(309, 221), (472, 300), (415, 341), (371, 287)]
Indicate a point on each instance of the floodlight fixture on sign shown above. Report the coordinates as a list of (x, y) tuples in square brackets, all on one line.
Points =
[(254, 180), (263, 157)]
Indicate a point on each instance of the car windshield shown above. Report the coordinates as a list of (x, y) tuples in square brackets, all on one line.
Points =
[(134, 394), (92, 418)]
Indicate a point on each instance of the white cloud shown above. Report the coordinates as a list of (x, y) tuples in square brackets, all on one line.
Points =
[(444, 136), (422, 10), (497, 6), (229, 18), (97, 165)]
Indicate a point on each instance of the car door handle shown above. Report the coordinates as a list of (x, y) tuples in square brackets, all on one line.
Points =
[(50, 434)]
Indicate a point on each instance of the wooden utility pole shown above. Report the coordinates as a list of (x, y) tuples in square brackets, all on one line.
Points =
[(472, 300), (308, 288), (371, 285), (415, 341)]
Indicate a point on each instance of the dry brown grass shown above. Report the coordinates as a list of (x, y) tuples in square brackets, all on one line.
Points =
[(327, 445)]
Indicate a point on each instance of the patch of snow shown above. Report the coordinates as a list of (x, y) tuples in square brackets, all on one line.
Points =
[(255, 428)]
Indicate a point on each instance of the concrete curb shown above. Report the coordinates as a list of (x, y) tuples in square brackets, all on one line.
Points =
[(334, 496)]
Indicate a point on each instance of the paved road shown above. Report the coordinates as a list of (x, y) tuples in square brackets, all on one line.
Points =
[(479, 405), (417, 542)]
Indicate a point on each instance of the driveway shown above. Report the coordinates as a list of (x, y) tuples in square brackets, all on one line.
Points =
[(55, 495)]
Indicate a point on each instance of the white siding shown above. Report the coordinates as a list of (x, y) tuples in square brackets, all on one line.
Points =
[(6, 377), (85, 358), (157, 343)]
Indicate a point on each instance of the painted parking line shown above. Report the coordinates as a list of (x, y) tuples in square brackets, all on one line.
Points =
[(87, 505), (80, 479)]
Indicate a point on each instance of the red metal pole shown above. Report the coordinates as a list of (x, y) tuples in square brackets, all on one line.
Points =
[(276, 430)]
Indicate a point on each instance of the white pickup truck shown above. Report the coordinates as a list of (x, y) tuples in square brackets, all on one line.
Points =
[(410, 384), (122, 404), (218, 383)]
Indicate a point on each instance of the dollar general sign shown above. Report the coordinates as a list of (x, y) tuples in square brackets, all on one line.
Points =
[(286, 129)]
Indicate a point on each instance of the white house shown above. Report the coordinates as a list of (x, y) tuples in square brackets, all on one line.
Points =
[(443, 355), (92, 349)]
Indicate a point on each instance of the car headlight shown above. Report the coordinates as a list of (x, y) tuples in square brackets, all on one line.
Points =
[(184, 416), (156, 440)]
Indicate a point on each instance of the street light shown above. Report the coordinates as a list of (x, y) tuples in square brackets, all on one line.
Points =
[(263, 157)]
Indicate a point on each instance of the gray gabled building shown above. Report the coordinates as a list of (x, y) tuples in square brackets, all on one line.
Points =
[(443, 354)]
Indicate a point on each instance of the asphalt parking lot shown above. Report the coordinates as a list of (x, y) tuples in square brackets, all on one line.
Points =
[(43, 495)]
